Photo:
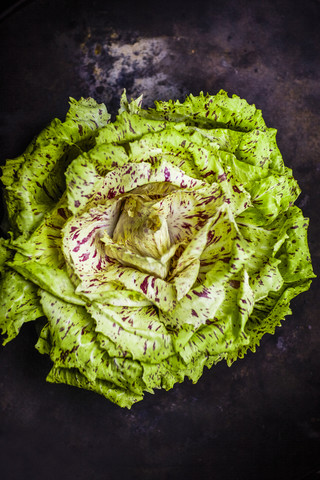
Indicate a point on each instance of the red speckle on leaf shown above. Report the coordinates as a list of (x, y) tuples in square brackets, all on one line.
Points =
[(222, 177), (203, 293), (166, 174), (84, 257), (99, 264), (111, 193), (144, 285)]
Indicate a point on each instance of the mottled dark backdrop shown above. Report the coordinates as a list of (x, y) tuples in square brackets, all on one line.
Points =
[(260, 418)]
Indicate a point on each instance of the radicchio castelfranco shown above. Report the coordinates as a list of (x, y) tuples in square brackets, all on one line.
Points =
[(154, 245)]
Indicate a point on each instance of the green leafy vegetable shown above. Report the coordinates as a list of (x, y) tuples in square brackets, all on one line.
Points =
[(154, 245)]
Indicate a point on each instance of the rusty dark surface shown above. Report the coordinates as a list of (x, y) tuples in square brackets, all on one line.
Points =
[(260, 418)]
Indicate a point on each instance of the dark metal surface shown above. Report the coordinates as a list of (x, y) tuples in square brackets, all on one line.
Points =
[(258, 419)]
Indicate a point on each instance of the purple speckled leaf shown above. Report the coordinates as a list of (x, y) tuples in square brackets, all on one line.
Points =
[(155, 245)]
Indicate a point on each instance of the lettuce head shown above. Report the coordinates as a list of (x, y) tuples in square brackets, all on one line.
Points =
[(153, 245)]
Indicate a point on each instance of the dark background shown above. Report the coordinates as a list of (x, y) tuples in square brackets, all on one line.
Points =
[(260, 418)]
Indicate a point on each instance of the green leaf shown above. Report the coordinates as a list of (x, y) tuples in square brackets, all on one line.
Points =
[(138, 331), (19, 303), (35, 181), (53, 279), (213, 111), (73, 345)]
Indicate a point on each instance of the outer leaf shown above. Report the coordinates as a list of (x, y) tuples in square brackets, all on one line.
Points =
[(19, 303), (35, 180), (74, 346), (53, 279), (212, 111), (137, 330)]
